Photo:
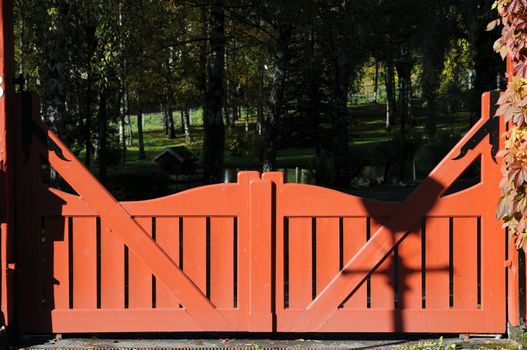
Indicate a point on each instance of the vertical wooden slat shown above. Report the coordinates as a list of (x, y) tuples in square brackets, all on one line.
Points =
[(194, 251), (300, 230), (140, 277), (57, 233), (281, 226), (409, 272), (382, 288), (354, 238), (222, 262), (465, 263), (112, 269), (167, 236), (437, 263), (84, 263), (327, 254)]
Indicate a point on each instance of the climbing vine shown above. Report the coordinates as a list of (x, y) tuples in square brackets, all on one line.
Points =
[(512, 208)]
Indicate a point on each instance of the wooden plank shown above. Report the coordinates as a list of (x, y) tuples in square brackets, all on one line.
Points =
[(140, 276), (465, 263), (84, 263), (328, 250), (222, 262), (353, 239), (382, 294), (194, 251), (167, 237), (57, 232), (437, 263), (112, 269), (415, 321), (410, 272), (300, 256)]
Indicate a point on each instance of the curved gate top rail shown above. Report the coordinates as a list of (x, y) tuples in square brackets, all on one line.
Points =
[(258, 255)]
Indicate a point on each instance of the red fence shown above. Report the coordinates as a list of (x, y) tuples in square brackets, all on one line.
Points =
[(257, 255)]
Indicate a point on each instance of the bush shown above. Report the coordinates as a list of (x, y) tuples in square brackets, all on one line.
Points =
[(235, 142)]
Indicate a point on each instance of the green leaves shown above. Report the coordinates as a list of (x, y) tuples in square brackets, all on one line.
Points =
[(512, 207)]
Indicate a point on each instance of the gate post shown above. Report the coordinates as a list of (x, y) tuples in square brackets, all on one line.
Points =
[(6, 163), (261, 248)]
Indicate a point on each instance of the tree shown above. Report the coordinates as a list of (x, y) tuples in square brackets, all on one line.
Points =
[(214, 128)]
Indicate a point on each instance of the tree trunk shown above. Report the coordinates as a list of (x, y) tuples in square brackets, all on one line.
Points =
[(214, 128), (130, 134), (164, 114), (172, 129), (390, 94), (122, 122), (260, 99), (185, 121), (103, 149), (142, 154), (276, 99)]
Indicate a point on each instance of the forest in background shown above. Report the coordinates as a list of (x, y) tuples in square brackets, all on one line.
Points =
[(288, 72)]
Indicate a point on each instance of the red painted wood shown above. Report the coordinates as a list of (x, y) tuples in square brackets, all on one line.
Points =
[(139, 275), (9, 131), (410, 272), (194, 251), (222, 262), (382, 288), (273, 221), (300, 263), (465, 263), (437, 264), (57, 231), (327, 254), (84, 263), (354, 239), (135, 237), (260, 233), (112, 269), (167, 237)]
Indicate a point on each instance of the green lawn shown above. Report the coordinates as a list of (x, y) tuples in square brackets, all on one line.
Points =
[(370, 144)]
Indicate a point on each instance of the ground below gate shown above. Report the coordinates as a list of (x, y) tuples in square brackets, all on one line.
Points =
[(431, 343)]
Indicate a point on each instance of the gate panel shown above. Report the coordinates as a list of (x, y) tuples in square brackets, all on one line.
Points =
[(430, 241), (194, 261)]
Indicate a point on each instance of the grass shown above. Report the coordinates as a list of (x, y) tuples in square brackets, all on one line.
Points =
[(369, 142)]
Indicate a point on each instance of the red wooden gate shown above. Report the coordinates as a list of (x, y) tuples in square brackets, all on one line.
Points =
[(257, 255)]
